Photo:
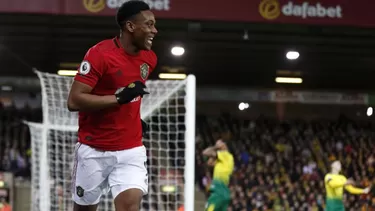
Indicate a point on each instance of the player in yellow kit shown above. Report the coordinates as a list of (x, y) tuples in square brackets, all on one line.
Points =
[(335, 184), (223, 163)]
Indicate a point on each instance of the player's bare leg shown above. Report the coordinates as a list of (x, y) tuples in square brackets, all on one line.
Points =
[(78, 207), (129, 200)]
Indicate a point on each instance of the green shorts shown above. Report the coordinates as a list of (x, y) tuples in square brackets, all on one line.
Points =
[(219, 197), (335, 205)]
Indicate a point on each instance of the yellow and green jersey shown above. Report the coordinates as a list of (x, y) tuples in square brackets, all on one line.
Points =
[(219, 191), (224, 167), (335, 184)]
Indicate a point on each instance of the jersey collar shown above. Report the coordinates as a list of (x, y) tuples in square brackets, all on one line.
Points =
[(116, 41)]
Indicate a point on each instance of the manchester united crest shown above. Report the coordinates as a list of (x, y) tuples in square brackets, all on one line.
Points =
[(80, 191), (144, 71)]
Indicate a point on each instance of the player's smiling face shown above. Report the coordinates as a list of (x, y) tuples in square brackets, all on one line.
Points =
[(145, 30)]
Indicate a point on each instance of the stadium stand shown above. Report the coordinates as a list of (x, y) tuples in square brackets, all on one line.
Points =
[(281, 165), (15, 139), (298, 60), (15, 152)]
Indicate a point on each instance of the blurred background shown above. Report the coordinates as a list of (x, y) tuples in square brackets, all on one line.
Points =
[(289, 85)]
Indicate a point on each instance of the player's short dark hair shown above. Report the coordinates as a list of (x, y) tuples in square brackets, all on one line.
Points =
[(128, 9)]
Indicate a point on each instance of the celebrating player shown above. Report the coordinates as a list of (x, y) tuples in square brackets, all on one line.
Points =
[(223, 163), (107, 92), (335, 183)]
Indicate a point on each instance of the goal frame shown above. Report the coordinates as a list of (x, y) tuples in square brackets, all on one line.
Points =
[(45, 126)]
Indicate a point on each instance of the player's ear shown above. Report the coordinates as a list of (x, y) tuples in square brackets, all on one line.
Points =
[(130, 26)]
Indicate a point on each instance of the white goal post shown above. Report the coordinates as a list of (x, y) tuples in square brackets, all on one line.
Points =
[(169, 109)]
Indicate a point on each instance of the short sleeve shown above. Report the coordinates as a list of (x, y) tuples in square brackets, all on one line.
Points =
[(220, 155), (92, 68), (327, 178)]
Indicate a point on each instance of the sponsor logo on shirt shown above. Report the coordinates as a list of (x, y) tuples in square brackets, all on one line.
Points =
[(136, 99), (272, 9), (95, 6), (88, 138)]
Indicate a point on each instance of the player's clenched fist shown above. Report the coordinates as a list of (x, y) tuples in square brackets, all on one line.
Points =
[(126, 94)]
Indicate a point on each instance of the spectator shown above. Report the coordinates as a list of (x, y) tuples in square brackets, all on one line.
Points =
[(4, 206), (282, 165)]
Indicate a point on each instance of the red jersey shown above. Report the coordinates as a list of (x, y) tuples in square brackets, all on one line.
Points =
[(107, 67)]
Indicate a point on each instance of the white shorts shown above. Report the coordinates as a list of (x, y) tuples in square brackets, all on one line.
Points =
[(95, 172)]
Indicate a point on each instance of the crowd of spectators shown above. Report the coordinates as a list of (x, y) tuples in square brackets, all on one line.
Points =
[(280, 165), (15, 139), (15, 154)]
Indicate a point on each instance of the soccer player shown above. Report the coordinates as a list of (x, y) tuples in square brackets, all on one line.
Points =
[(223, 163), (107, 92), (335, 184)]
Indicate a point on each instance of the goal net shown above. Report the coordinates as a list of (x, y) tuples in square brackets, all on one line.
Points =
[(170, 112)]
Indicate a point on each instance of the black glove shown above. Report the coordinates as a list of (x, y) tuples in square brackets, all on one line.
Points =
[(126, 94), (144, 128)]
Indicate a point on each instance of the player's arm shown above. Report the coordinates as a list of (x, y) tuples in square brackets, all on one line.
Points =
[(81, 99), (89, 73), (211, 161), (354, 190), (213, 152), (210, 152)]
